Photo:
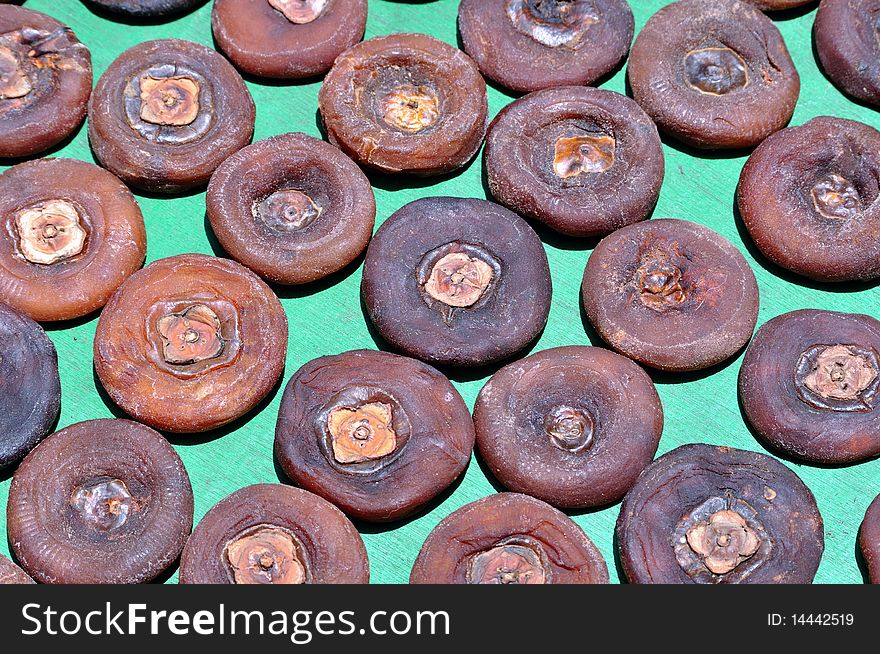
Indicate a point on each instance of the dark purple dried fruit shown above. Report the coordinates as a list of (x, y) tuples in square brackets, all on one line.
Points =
[(146, 8), (869, 540), (846, 36), (777, 5)]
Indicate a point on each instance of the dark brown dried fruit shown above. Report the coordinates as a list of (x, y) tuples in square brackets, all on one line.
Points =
[(288, 39), (809, 385), (405, 103), (508, 538), (777, 5), (670, 294), (100, 502), (869, 540), (30, 390), (810, 198), (713, 73), (291, 208), (274, 534), (573, 426), (377, 434), (715, 515), (583, 161), (70, 233), (191, 343), (848, 46), (456, 281), (526, 45), (166, 113), (12, 574), (45, 82), (146, 8)]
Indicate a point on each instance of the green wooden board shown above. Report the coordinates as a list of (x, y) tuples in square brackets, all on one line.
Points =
[(326, 317)]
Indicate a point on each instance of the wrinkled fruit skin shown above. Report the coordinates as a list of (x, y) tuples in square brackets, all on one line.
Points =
[(174, 158), (115, 242), (802, 424), (514, 420), (333, 550), (777, 5), (334, 183), (693, 486), (12, 574), (261, 41), (58, 71), (52, 538), (509, 314), (740, 118), (214, 390), (351, 101), (434, 433), (869, 540), (566, 553), (522, 142), (845, 35), (671, 294), (509, 53), (30, 389), (146, 8)]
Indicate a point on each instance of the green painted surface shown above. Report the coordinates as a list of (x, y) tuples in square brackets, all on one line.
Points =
[(326, 318)]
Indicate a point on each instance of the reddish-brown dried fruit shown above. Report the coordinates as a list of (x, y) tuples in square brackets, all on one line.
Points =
[(377, 434), (100, 502), (526, 45), (30, 390), (809, 197), (291, 208), (670, 294), (583, 161), (777, 5), (573, 426), (71, 234), (869, 540), (274, 534), (715, 515), (146, 8), (809, 385), (405, 103), (508, 538), (288, 39), (848, 46), (45, 82), (713, 73), (166, 113), (456, 281), (12, 574), (191, 343)]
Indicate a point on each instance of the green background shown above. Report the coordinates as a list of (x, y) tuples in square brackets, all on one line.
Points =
[(327, 318)]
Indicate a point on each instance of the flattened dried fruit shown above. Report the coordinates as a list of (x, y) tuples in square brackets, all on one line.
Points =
[(715, 515), (71, 234), (713, 73), (291, 208), (526, 45), (848, 46), (573, 426), (670, 294), (869, 540), (146, 8), (508, 538), (274, 534), (191, 343), (405, 103), (12, 574), (45, 81), (288, 39), (809, 385), (30, 390), (810, 198), (456, 281), (777, 5), (166, 113), (377, 434), (100, 502), (583, 161)]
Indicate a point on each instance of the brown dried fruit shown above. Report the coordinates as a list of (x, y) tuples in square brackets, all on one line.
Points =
[(508, 538), (405, 103), (848, 48), (526, 45), (232, 330), (274, 534), (809, 197), (714, 74), (169, 100), (12, 574), (416, 434), (869, 540), (703, 515), (778, 5), (71, 233), (146, 8), (100, 502)]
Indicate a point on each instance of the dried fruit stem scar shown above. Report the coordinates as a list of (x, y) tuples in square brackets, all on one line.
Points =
[(171, 101), (411, 108), (13, 82), (191, 336), (265, 555), (50, 232), (103, 502), (459, 280), (723, 541), (507, 564), (300, 12), (583, 154), (363, 433)]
